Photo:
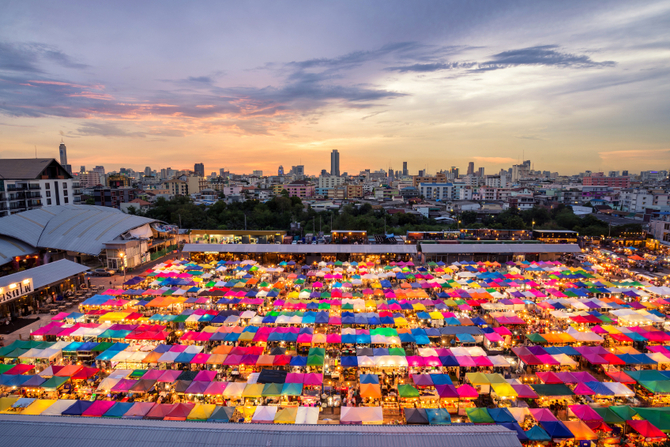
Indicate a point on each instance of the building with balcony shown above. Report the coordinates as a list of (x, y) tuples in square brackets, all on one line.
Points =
[(31, 183)]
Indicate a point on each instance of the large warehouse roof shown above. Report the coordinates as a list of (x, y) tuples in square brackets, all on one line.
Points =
[(300, 248), (46, 274), (77, 228), (10, 247), (444, 249), (18, 430)]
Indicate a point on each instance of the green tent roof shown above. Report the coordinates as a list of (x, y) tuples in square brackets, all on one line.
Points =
[(406, 390), (558, 389), (479, 416)]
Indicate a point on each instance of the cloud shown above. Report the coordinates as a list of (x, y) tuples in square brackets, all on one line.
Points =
[(30, 57), (642, 154), (107, 130), (546, 55), (427, 68), (495, 160), (530, 137)]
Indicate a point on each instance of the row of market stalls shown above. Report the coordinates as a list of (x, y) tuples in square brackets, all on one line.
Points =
[(360, 342)]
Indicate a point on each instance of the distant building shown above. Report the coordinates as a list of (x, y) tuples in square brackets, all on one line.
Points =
[(471, 168), (147, 171), (300, 189), (612, 182), (62, 150), (199, 169), (258, 173), (405, 172), (113, 197), (280, 171), (335, 163)]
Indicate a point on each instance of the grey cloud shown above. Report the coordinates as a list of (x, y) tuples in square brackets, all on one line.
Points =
[(200, 79), (541, 55), (107, 130), (29, 57), (427, 68)]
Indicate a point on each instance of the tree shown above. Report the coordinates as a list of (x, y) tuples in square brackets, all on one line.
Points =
[(468, 217)]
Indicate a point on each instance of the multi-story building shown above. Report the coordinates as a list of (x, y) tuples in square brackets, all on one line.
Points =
[(335, 163), (199, 169), (89, 179), (496, 181), (330, 181), (354, 191), (637, 200), (113, 197), (300, 189), (177, 187), (440, 177), (31, 183), (612, 182), (437, 191)]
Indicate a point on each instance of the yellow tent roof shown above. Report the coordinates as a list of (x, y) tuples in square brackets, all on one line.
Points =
[(253, 390), (7, 402), (201, 412), (477, 378), (38, 406), (495, 378), (286, 415), (504, 389)]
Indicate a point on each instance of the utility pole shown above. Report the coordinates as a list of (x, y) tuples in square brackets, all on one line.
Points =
[(245, 222)]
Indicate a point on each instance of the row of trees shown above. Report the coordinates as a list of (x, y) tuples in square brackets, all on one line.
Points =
[(280, 212), (560, 217)]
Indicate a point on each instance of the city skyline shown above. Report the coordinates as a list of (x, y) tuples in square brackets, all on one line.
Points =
[(436, 87)]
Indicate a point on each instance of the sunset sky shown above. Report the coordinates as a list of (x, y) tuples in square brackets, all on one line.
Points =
[(572, 85)]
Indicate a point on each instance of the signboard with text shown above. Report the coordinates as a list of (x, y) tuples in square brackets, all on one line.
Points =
[(16, 290)]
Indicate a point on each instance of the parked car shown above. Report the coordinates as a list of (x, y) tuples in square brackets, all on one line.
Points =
[(102, 272)]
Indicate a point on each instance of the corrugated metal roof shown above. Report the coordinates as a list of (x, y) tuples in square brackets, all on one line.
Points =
[(17, 430), (46, 274), (300, 248), (77, 228), (441, 249), (24, 168), (10, 247)]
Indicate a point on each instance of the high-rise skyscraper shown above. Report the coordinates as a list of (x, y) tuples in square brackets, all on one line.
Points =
[(335, 163), (471, 168), (280, 171), (199, 169), (147, 171), (481, 172), (62, 150), (404, 168)]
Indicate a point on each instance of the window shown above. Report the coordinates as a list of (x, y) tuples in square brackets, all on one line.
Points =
[(48, 193), (64, 184), (48, 185), (66, 200), (48, 201)]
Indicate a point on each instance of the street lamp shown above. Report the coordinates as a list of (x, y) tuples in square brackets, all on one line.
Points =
[(123, 258), (533, 225)]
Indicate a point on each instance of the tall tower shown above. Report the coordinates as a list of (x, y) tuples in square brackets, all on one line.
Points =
[(471, 168), (62, 150), (335, 163), (405, 172)]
